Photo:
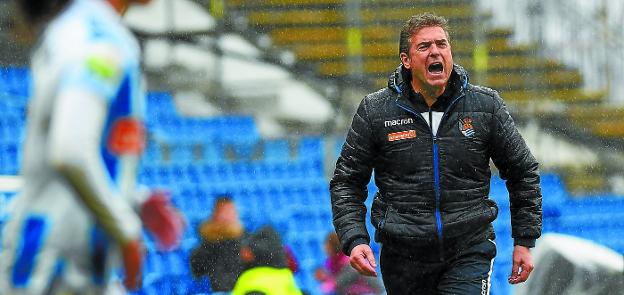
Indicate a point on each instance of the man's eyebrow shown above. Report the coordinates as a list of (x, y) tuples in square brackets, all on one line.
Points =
[(433, 41)]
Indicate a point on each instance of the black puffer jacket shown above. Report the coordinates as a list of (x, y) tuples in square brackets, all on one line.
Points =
[(433, 189)]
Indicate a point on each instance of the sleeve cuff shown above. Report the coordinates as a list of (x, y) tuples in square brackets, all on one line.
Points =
[(356, 242), (529, 243)]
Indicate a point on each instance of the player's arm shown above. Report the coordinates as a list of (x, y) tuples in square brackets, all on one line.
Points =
[(76, 130)]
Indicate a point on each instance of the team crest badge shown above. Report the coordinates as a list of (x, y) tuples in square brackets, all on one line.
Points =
[(465, 126)]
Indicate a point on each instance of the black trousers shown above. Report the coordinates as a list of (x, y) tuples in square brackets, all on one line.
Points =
[(462, 272)]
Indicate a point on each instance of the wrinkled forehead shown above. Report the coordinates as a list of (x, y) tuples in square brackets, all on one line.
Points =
[(429, 34)]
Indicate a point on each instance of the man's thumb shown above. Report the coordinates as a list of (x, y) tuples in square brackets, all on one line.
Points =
[(369, 255)]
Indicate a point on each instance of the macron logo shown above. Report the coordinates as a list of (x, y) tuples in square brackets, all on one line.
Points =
[(398, 122)]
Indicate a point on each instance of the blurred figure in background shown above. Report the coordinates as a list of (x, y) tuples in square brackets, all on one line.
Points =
[(218, 255), (337, 277), (77, 218), (334, 263), (266, 266)]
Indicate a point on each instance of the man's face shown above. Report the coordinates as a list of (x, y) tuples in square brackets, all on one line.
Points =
[(226, 213), (430, 59)]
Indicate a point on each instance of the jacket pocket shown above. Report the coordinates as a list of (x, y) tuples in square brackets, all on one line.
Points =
[(469, 219), (379, 213), (410, 226)]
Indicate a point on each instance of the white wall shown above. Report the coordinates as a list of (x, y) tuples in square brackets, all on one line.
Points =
[(588, 35), (554, 151)]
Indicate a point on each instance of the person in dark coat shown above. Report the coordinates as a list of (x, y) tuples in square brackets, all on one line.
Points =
[(429, 137), (218, 256)]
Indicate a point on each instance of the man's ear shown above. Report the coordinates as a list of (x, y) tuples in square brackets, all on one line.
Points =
[(405, 60)]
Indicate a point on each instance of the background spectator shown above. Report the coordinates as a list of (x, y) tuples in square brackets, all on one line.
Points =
[(218, 254), (266, 266), (336, 277)]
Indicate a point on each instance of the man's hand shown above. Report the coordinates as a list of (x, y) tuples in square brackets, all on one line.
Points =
[(522, 265), (363, 261), (162, 220), (132, 253)]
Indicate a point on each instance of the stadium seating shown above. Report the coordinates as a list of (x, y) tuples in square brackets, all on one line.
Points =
[(280, 182), (14, 88), (606, 121), (321, 38), (320, 35), (283, 182), (16, 82)]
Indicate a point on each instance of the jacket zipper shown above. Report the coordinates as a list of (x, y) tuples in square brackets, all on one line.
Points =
[(436, 168), (436, 182), (382, 222), (436, 172)]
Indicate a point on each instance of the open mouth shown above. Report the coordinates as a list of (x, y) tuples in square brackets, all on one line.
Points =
[(435, 68)]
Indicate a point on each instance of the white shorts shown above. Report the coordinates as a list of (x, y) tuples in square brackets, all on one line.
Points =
[(52, 244)]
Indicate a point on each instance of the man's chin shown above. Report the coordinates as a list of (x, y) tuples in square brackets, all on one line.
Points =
[(437, 81)]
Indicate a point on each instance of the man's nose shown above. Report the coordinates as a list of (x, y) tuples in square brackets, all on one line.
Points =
[(434, 51)]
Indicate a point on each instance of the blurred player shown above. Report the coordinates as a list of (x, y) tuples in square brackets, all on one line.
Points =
[(76, 219)]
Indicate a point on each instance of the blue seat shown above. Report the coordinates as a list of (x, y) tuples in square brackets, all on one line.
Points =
[(200, 286), (152, 152), (193, 174), (242, 171), (275, 170), (313, 168), (237, 127), (177, 262), (154, 263), (310, 149), (277, 150), (146, 175), (224, 172), (163, 175), (15, 81), (238, 148), (212, 152), (182, 153), (9, 157)]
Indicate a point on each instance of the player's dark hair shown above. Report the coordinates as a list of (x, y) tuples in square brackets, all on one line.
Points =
[(417, 22), (36, 11)]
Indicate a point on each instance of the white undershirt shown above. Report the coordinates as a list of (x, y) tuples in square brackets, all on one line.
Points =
[(437, 117)]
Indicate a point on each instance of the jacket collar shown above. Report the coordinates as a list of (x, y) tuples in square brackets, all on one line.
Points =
[(400, 83)]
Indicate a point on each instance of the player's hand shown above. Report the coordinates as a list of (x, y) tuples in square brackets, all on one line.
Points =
[(132, 253), (522, 265), (363, 261), (162, 220)]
